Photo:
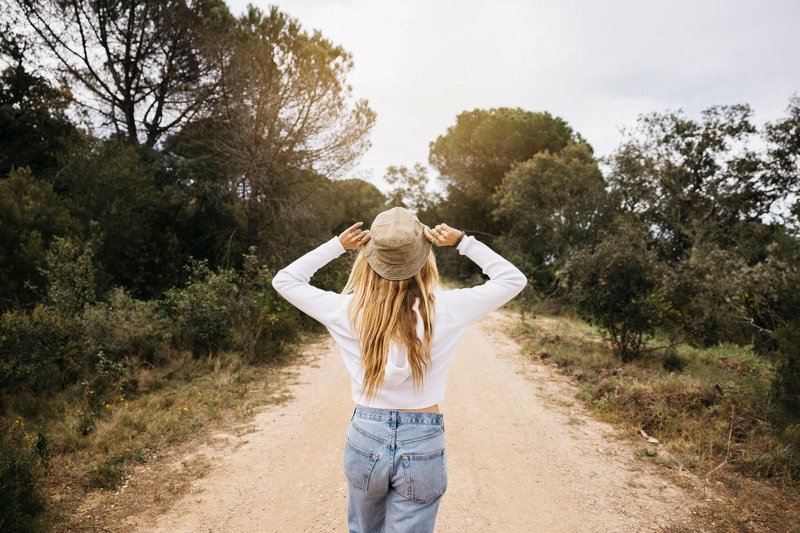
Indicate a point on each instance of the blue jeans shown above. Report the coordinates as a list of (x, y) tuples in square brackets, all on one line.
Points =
[(396, 468)]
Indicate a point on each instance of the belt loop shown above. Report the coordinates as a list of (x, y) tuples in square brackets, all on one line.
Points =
[(354, 413)]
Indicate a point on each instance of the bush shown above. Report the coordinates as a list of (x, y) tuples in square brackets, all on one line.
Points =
[(205, 310), (40, 351), (702, 291), (787, 368), (616, 286), (21, 471), (267, 322), (70, 275), (124, 326)]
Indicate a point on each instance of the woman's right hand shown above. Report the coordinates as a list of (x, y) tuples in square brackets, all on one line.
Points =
[(441, 234)]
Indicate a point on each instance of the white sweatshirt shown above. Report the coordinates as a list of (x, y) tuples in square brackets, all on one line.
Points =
[(454, 311)]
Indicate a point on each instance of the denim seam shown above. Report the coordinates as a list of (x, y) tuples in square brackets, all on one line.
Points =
[(361, 451), (419, 439), (370, 435), (423, 456)]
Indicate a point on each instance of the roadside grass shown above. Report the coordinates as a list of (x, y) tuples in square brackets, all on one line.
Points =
[(161, 408), (708, 408)]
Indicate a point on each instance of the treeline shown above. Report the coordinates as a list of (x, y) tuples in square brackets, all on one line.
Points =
[(160, 160)]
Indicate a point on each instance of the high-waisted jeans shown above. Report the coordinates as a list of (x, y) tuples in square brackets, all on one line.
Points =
[(396, 467)]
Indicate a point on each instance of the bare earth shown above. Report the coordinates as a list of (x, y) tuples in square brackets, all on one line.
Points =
[(523, 456)]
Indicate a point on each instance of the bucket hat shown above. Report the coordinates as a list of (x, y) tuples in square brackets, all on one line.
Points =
[(397, 247)]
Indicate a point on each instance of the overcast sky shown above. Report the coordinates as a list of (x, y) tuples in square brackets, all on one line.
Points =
[(598, 65)]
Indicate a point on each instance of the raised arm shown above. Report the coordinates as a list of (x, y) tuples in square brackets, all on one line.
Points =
[(505, 282), (292, 282)]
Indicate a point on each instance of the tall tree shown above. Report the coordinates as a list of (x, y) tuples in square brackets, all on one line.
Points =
[(783, 163), (474, 154), (33, 125), (283, 117), (138, 65), (692, 181), (411, 188), (552, 204)]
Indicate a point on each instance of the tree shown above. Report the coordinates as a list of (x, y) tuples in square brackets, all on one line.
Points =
[(283, 117), (33, 124), (139, 65), (691, 181), (615, 285), (474, 155), (31, 215), (551, 204), (125, 197), (410, 188), (783, 163)]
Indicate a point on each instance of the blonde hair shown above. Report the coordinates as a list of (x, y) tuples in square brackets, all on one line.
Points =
[(386, 309)]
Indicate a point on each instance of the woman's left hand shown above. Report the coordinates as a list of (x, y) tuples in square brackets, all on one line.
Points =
[(354, 237)]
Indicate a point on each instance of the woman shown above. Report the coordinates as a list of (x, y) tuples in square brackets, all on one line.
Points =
[(396, 330)]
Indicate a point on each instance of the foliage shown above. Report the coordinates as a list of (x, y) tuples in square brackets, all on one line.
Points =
[(105, 384), (475, 153), (410, 188), (616, 286), (283, 122), (702, 293), (22, 468), (783, 163), (123, 327), (787, 377), (69, 272), (691, 181), (552, 204), (33, 123), (31, 214), (41, 351), (266, 324), (142, 67), (123, 195), (205, 309)]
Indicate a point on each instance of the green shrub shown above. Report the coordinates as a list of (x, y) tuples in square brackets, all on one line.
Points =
[(40, 351), (21, 470), (108, 474), (616, 286), (106, 386), (123, 326), (205, 309), (701, 289), (787, 368), (70, 275), (267, 322)]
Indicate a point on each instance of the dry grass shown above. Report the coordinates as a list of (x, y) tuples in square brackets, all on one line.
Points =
[(708, 408), (172, 412)]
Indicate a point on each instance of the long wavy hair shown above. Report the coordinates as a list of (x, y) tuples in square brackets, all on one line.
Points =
[(386, 311)]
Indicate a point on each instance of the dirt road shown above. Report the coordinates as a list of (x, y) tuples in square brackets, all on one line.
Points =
[(523, 456)]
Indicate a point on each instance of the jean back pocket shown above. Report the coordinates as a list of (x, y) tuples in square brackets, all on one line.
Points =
[(425, 475), (358, 465)]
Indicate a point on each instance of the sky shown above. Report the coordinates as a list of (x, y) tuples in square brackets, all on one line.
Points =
[(597, 65)]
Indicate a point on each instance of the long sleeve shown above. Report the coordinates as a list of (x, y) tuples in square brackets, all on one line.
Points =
[(292, 282), (505, 282)]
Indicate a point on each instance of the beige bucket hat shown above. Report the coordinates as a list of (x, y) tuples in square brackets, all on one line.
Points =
[(397, 247)]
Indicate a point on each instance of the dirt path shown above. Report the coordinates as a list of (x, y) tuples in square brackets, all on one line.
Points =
[(523, 456)]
